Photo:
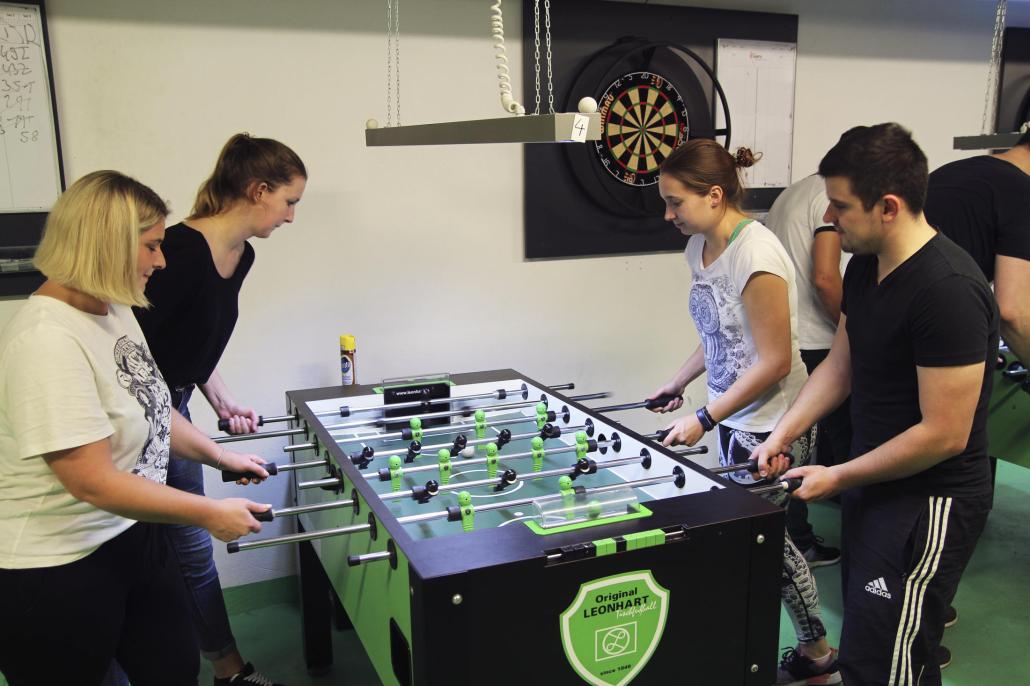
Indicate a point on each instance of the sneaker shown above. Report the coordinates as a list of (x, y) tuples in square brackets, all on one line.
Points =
[(819, 555), (248, 676), (797, 670), (943, 656), (950, 617)]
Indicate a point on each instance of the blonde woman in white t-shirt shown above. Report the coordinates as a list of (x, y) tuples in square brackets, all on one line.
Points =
[(86, 425), (744, 304)]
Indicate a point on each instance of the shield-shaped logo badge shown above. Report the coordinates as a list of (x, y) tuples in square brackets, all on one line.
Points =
[(613, 626)]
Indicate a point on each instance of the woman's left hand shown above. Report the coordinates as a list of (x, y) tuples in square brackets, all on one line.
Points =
[(244, 462), (684, 431)]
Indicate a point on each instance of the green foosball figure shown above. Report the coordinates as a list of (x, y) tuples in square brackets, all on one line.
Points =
[(568, 495), (396, 472), (480, 417), (444, 458), (416, 429), (537, 450), (468, 512), (491, 460), (541, 415)]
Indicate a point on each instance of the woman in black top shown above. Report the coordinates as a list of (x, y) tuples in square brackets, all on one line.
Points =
[(255, 186)]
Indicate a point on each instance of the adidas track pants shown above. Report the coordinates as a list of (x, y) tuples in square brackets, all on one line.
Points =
[(903, 556)]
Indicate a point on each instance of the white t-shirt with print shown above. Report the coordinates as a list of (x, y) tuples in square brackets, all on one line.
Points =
[(69, 378), (794, 217), (718, 312)]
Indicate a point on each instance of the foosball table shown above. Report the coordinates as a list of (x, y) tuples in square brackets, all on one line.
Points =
[(484, 528)]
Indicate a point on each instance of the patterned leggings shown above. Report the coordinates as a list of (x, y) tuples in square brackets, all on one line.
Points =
[(798, 590)]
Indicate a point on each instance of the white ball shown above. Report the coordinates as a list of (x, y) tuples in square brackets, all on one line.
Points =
[(587, 105), (371, 124)]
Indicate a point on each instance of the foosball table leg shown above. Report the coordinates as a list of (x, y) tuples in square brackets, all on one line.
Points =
[(315, 611)]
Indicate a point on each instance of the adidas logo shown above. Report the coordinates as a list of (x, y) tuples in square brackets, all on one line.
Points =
[(878, 587)]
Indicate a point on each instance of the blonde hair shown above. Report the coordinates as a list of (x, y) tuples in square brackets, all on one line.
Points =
[(244, 163), (91, 238)]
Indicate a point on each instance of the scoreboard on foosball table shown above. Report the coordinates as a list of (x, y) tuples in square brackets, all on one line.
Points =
[(508, 535)]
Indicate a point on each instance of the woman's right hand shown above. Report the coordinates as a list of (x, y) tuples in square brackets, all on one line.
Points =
[(232, 517), (675, 390)]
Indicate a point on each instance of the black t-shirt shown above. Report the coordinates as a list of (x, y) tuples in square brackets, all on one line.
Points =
[(933, 310), (983, 204), (193, 309)]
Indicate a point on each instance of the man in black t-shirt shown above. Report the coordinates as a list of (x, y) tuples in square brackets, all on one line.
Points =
[(919, 330), (983, 204)]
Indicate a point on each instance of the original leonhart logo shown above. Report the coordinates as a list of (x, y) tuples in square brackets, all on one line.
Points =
[(643, 119), (613, 626)]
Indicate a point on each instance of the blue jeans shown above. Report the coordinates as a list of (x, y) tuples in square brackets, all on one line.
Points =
[(192, 547)]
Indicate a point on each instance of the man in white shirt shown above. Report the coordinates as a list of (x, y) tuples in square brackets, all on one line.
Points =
[(814, 247)]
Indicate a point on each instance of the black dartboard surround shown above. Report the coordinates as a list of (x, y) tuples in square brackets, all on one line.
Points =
[(575, 205), (638, 69)]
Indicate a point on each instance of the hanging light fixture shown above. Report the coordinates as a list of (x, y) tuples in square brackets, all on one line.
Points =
[(986, 140), (518, 127)]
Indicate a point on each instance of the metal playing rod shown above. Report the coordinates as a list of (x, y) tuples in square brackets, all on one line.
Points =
[(272, 468), (405, 434), (509, 478), (433, 415), (255, 436), (269, 515), (454, 413), (676, 477), (499, 394), (483, 460), (297, 538), (660, 401), (428, 449)]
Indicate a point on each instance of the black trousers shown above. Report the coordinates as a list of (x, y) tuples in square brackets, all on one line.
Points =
[(902, 560), (832, 446), (64, 624)]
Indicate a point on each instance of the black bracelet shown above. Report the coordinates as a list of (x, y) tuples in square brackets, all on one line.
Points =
[(707, 423)]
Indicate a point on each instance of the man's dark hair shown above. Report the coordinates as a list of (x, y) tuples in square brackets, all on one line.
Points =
[(878, 160)]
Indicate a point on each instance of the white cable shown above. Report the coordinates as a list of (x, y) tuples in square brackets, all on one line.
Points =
[(497, 33)]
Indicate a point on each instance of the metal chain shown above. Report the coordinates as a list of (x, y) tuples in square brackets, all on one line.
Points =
[(547, 36), (536, 51), (994, 70), (397, 53), (389, 62)]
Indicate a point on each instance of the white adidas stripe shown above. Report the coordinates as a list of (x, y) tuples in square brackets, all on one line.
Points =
[(918, 589), (915, 590), (922, 593)]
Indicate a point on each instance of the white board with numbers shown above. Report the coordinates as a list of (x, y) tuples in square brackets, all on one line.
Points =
[(30, 178)]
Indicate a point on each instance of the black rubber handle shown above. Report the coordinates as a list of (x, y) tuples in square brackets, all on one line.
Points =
[(792, 484), (236, 476), (223, 424), (265, 516), (233, 547), (353, 560), (661, 434), (660, 401)]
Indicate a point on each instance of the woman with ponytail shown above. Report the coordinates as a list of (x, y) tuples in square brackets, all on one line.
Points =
[(743, 300), (253, 190)]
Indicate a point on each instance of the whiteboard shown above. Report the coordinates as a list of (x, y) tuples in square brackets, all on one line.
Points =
[(758, 78), (30, 177)]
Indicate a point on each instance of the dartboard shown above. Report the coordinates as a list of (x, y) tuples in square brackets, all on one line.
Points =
[(643, 118)]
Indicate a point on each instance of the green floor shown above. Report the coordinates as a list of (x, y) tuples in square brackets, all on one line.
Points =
[(990, 644)]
